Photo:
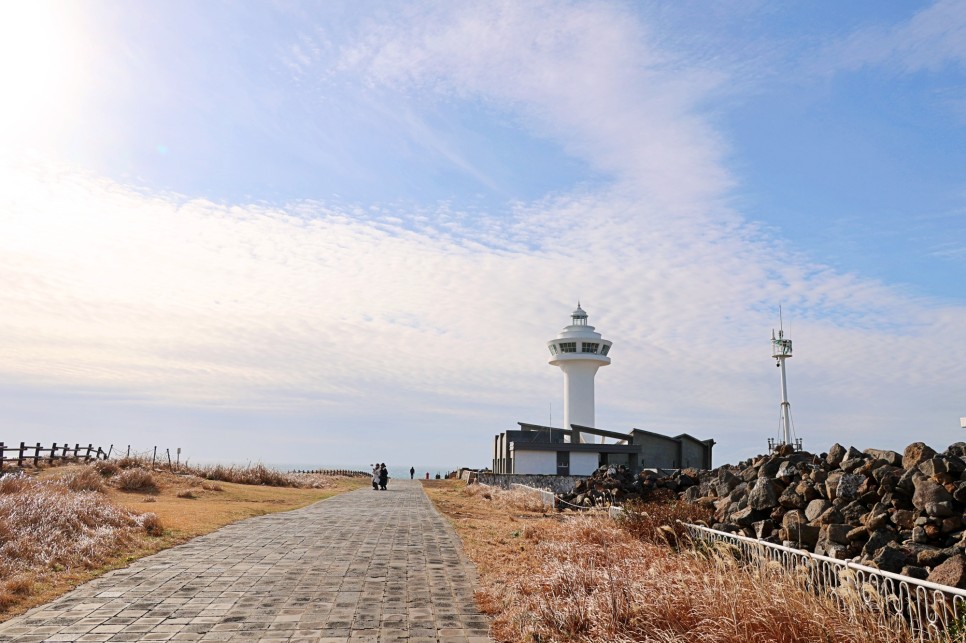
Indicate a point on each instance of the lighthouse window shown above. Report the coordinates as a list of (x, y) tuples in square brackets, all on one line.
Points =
[(553, 349), (588, 347), (568, 347), (604, 349)]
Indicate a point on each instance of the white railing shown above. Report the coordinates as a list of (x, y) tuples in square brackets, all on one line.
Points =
[(930, 609), (547, 497)]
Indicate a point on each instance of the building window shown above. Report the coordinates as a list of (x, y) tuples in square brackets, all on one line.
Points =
[(604, 349), (588, 347), (553, 349), (568, 347)]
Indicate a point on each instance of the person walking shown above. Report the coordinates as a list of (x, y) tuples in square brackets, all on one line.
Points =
[(412, 472), (383, 476), (376, 471)]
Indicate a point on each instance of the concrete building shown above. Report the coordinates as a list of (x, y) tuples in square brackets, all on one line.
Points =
[(579, 351), (544, 450)]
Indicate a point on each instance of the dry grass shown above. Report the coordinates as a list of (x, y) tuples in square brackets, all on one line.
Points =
[(586, 578), (135, 480), (57, 525), (514, 499), (53, 538), (659, 521)]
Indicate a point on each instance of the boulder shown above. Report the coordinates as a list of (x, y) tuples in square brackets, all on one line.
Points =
[(816, 508), (915, 453), (835, 455), (848, 486), (763, 528), (832, 483), (790, 499), (914, 571), (877, 540), (764, 495), (801, 534), (903, 519), (851, 464), (951, 572), (891, 457), (890, 558), (933, 466), (933, 499)]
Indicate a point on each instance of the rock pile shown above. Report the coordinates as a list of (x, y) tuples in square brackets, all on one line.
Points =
[(900, 513), (615, 485)]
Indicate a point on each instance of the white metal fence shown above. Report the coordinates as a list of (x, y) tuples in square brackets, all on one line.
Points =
[(934, 612), (546, 496)]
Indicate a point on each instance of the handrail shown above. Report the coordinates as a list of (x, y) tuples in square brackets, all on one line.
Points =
[(930, 609)]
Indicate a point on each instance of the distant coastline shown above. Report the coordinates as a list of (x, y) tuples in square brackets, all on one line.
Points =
[(395, 471)]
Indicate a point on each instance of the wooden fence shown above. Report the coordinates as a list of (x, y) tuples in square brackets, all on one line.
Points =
[(35, 454), (337, 472)]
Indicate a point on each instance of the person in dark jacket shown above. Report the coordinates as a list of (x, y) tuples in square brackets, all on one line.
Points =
[(383, 476), (412, 472)]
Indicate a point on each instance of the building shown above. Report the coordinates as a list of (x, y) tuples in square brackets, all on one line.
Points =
[(579, 351), (579, 448), (544, 450)]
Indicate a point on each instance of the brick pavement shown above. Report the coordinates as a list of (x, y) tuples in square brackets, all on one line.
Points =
[(364, 566)]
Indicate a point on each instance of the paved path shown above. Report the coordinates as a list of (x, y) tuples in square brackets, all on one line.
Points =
[(362, 566)]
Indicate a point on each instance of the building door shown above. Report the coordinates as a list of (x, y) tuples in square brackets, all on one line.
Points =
[(563, 463)]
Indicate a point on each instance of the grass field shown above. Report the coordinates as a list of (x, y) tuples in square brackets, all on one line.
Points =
[(585, 577), (65, 525)]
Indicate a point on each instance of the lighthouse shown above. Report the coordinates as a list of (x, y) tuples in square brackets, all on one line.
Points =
[(579, 351)]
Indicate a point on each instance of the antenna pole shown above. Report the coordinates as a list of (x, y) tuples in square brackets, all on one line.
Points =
[(786, 414)]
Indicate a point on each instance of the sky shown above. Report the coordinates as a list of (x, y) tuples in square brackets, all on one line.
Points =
[(332, 233)]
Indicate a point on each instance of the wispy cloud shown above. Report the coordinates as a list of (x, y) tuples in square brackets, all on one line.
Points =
[(930, 39), (404, 316)]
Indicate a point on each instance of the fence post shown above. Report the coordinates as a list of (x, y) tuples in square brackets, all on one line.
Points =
[(20, 457), (37, 456), (1, 456), (53, 454), (128, 451), (168, 451), (108, 452), (76, 449), (154, 456)]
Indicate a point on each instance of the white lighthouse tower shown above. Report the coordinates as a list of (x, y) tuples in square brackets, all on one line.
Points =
[(579, 352)]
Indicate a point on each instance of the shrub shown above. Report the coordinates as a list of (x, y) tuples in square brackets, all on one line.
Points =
[(13, 482), (255, 474), (85, 480), (660, 521), (211, 486), (186, 493), (151, 524), (106, 468), (136, 480)]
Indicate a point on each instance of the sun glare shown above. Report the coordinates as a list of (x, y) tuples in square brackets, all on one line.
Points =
[(41, 70)]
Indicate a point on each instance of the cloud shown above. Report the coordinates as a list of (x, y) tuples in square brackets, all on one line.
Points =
[(929, 40), (429, 316)]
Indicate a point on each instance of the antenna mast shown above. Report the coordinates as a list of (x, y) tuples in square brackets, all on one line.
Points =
[(781, 349)]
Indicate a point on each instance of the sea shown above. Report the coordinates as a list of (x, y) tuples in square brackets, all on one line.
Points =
[(395, 471)]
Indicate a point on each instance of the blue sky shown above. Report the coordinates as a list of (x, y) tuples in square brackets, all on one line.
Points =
[(322, 232)]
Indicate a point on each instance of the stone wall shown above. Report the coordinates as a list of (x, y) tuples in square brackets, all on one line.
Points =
[(557, 484)]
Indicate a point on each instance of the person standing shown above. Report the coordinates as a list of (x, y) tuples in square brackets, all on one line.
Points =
[(383, 476), (376, 471), (412, 473)]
